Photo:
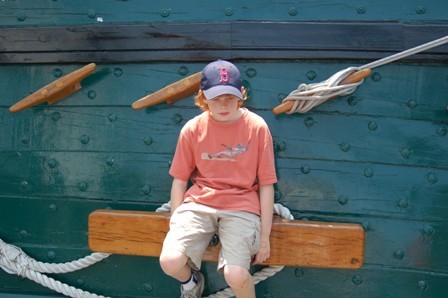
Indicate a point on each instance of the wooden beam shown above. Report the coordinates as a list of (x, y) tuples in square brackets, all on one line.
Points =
[(293, 242), (225, 40)]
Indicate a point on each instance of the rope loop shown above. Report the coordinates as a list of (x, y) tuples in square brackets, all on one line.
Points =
[(13, 260), (307, 96)]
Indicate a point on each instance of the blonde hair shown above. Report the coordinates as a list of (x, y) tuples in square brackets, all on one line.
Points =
[(199, 99)]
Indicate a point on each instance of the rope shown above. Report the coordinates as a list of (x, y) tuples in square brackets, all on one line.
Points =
[(259, 276), (308, 96), (14, 261)]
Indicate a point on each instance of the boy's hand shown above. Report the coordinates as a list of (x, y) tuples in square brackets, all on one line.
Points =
[(264, 253)]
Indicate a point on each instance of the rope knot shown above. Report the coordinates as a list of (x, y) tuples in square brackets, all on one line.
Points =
[(306, 97)]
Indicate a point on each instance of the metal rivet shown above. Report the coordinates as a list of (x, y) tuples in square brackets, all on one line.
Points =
[(361, 10), (214, 241), (177, 118), (279, 146), (422, 285), (357, 280), (251, 72), (432, 178), (91, 13), (146, 189), (91, 94), (398, 254), (24, 185), (53, 207), (82, 186), (345, 147), (376, 77), (428, 230), (57, 72), (420, 9), (372, 126), (21, 17), (352, 101), (25, 140), (442, 131), (292, 11), (110, 161), (405, 152), (84, 139), (368, 173), (299, 273), (309, 121), (147, 140), (183, 70), (148, 287), (23, 234), (403, 204), (118, 72), (165, 12), (412, 104), (113, 117), (305, 169), (55, 116), (311, 75), (366, 226), (342, 200), (228, 11), (281, 97), (51, 255), (52, 163)]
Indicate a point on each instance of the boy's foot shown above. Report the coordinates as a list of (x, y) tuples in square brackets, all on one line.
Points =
[(196, 292)]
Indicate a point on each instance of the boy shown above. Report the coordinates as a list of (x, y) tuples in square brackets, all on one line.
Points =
[(227, 152)]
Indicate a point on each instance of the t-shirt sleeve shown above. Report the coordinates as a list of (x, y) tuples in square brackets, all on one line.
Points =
[(266, 165), (183, 162)]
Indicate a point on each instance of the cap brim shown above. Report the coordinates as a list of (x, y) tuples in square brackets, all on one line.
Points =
[(216, 91)]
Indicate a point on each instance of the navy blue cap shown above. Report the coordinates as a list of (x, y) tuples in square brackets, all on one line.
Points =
[(221, 77)]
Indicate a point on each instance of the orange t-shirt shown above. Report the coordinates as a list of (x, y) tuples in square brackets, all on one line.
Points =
[(225, 162)]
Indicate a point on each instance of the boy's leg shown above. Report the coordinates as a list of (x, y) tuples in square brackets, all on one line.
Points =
[(240, 281), (239, 236)]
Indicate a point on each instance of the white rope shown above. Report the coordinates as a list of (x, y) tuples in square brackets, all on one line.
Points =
[(306, 97), (14, 261), (258, 276)]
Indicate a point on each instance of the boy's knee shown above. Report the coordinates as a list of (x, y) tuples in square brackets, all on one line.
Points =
[(236, 276), (171, 263)]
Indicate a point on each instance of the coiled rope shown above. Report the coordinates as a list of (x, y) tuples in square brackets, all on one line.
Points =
[(14, 261), (258, 276), (307, 96)]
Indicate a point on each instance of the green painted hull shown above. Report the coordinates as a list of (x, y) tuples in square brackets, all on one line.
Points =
[(377, 157)]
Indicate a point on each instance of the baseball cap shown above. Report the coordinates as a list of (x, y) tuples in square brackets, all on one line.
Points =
[(221, 77)]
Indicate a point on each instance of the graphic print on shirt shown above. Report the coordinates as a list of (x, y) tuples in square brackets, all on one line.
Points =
[(229, 154)]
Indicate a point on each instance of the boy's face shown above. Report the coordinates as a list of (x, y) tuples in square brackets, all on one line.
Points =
[(224, 108)]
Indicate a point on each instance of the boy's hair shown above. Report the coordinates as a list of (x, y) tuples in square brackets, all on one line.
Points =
[(199, 99)]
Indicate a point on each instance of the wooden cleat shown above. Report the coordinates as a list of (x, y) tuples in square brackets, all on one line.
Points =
[(171, 93), (56, 90)]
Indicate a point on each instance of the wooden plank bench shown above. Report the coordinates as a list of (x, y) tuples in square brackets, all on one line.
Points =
[(293, 242)]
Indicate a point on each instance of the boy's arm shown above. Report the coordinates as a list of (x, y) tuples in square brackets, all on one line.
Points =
[(178, 189), (267, 209)]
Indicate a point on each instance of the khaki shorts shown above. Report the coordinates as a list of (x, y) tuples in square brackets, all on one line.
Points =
[(193, 225)]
